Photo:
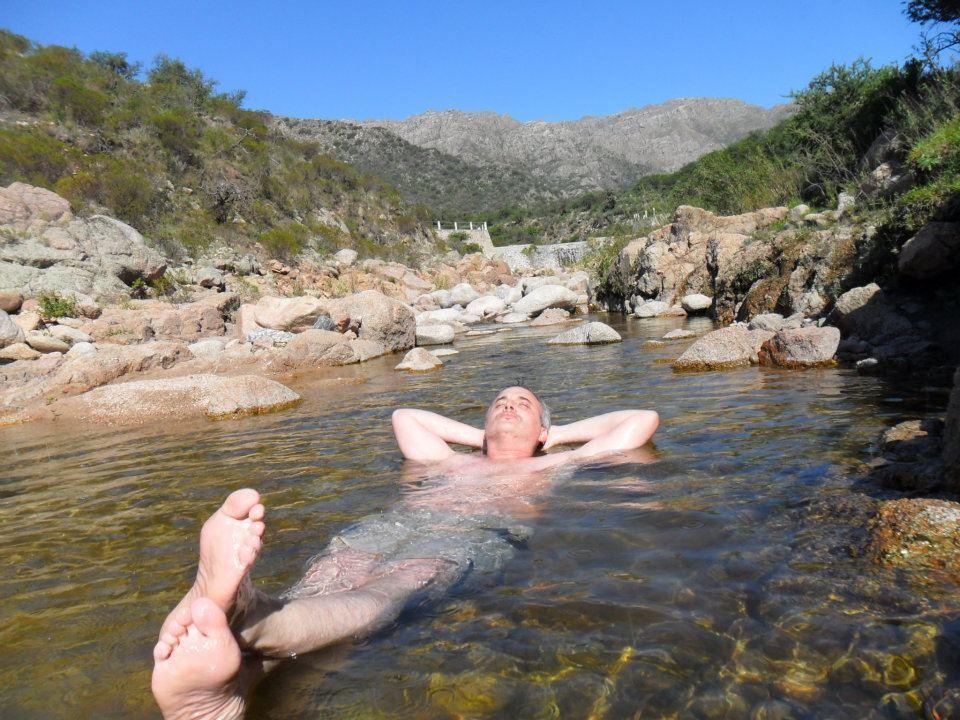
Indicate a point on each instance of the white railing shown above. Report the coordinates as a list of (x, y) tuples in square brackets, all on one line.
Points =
[(457, 226)]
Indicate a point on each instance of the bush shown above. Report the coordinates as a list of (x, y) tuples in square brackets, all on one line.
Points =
[(78, 101), (285, 241), (178, 131), (33, 157), (54, 305)]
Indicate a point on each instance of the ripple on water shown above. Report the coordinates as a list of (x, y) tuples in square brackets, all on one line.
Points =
[(694, 586)]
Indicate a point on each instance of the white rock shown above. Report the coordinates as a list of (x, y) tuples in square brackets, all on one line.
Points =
[(69, 334), (463, 294), (295, 313), (434, 334), (209, 349), (45, 343), (447, 315), (419, 360), (486, 305), (82, 348), (679, 334), (443, 352), (591, 333), (651, 308), (10, 332), (548, 296), (767, 321), (513, 318), (696, 302), (345, 257)]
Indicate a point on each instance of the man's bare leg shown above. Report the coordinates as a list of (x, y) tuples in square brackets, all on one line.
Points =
[(229, 544), (294, 625), (197, 667)]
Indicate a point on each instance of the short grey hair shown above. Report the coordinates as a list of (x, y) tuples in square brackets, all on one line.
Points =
[(544, 408)]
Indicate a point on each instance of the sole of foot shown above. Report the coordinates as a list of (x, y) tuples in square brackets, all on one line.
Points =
[(196, 666), (230, 542)]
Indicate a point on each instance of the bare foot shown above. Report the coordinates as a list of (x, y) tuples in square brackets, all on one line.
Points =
[(229, 544), (196, 672)]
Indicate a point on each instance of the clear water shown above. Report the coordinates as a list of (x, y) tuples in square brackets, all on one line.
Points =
[(713, 582)]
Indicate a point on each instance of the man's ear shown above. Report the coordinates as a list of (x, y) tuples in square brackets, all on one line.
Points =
[(543, 435)]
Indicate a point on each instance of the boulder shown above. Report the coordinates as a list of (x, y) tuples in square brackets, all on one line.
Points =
[(19, 351), (81, 348), (550, 316), (27, 321), (324, 322), (291, 314), (208, 350), (214, 396), (933, 251), (210, 277), (951, 437), (444, 316), (867, 313), (10, 332), (10, 300), (45, 343), (697, 302), (803, 347), (486, 305), (345, 257), (68, 334), (443, 352), (463, 294), (434, 334), (591, 333), (731, 346), (21, 202), (383, 320), (469, 319), (268, 337), (508, 294), (797, 212), (679, 334), (767, 321), (419, 360), (651, 308), (548, 296), (513, 318), (919, 533)]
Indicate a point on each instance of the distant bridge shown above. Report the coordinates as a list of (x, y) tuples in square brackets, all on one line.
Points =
[(476, 233)]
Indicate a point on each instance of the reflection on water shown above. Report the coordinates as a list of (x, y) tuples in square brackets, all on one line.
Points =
[(712, 582)]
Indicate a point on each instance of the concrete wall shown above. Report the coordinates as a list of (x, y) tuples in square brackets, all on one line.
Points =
[(478, 235), (558, 256)]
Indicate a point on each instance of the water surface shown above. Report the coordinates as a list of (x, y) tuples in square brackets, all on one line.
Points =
[(715, 581)]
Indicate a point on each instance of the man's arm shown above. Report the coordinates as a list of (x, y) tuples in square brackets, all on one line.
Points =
[(610, 432), (423, 435)]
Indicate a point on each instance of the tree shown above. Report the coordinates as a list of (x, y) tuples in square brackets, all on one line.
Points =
[(938, 14)]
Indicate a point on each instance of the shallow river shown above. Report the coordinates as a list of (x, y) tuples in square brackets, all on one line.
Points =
[(714, 581)]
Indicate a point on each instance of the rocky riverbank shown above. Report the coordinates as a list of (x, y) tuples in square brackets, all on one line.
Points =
[(86, 303)]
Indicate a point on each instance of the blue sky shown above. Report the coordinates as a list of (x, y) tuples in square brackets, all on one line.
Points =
[(534, 60)]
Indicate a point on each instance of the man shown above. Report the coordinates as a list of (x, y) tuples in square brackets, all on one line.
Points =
[(205, 665)]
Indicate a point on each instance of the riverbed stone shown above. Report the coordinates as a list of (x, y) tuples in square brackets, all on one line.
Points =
[(651, 308), (679, 334), (434, 334), (291, 314), (27, 320), (345, 257), (81, 348), (10, 332), (804, 347), (486, 305), (732, 346), (46, 343), (19, 351), (696, 302), (10, 300), (463, 294), (68, 334), (918, 533), (443, 352), (547, 296), (194, 395), (767, 321), (419, 360), (550, 316), (382, 319), (513, 318), (210, 277), (591, 333)]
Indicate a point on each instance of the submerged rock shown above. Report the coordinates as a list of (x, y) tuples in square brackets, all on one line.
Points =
[(419, 360), (679, 334), (550, 316), (919, 533), (727, 347), (697, 302), (591, 333)]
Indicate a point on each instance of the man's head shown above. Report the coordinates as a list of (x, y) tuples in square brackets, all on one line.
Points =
[(516, 424)]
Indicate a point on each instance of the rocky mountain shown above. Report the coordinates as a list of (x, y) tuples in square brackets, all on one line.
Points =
[(439, 180), (464, 163), (593, 152)]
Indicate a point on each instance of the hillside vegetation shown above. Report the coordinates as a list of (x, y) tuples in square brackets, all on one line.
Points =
[(844, 118), (186, 165)]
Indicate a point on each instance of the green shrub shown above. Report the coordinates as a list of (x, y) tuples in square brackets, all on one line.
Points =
[(33, 156), (178, 131), (285, 241), (54, 305), (80, 102)]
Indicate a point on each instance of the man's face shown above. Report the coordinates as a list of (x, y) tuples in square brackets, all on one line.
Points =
[(516, 412)]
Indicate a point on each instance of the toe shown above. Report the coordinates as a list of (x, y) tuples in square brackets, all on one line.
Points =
[(239, 503), (208, 618), (161, 651), (257, 512), (256, 528)]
